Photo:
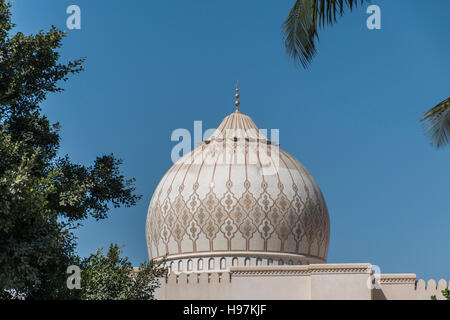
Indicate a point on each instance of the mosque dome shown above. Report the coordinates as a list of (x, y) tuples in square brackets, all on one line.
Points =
[(237, 199)]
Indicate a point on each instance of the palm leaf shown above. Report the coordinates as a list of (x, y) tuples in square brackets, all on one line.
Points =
[(438, 123), (301, 25)]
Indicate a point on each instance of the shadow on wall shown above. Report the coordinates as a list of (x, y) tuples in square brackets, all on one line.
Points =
[(378, 294)]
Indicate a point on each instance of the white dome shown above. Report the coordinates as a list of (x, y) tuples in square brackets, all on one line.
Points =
[(237, 199)]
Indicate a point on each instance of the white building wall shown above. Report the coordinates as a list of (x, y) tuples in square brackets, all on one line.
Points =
[(301, 282)]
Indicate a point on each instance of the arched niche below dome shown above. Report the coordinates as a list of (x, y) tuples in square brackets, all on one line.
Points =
[(223, 261)]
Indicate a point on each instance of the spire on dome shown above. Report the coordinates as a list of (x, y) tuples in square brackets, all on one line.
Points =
[(237, 103)]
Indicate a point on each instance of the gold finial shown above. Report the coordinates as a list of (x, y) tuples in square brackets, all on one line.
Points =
[(237, 103)]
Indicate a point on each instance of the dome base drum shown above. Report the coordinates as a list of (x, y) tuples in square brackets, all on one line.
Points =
[(222, 261)]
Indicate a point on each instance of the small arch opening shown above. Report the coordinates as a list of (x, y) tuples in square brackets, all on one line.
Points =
[(223, 264), (211, 264), (200, 264)]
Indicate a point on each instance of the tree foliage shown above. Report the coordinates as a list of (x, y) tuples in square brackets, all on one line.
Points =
[(300, 32), (110, 277), (300, 28), (446, 294), (43, 196), (437, 120)]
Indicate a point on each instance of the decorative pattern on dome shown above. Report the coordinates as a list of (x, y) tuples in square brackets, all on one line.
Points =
[(205, 204)]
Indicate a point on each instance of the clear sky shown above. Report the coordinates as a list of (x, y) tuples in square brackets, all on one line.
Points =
[(352, 119)]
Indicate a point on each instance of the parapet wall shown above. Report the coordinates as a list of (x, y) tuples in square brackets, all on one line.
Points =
[(302, 282), (406, 287)]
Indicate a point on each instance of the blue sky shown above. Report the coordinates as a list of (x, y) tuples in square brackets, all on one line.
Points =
[(352, 119)]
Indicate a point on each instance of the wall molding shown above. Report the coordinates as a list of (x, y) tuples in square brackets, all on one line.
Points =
[(305, 270), (401, 278)]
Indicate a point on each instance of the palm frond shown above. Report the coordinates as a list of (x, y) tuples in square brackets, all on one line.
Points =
[(298, 32), (438, 123), (301, 25)]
